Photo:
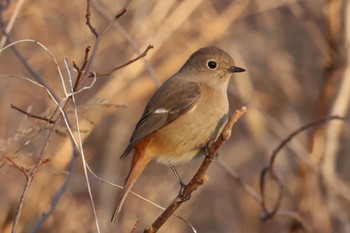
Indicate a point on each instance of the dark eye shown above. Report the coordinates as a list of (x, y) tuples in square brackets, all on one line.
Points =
[(212, 64)]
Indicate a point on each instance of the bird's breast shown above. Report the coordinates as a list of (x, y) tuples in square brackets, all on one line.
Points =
[(184, 138)]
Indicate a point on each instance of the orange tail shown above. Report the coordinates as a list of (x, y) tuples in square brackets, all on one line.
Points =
[(138, 164)]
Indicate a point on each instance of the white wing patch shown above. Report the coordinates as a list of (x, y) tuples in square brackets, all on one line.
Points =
[(161, 111)]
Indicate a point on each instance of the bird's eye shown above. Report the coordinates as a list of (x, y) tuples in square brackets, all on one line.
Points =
[(212, 65)]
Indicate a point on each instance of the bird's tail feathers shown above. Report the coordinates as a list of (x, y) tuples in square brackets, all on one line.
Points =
[(138, 166)]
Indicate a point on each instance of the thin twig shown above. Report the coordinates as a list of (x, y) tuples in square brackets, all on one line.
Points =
[(248, 188), (267, 212), (59, 193), (40, 160), (87, 17), (26, 64), (269, 170), (97, 44), (82, 67), (199, 178), (257, 197), (18, 167), (80, 141), (42, 153), (149, 47), (30, 179), (40, 81), (138, 196), (301, 129), (32, 115), (134, 45), (61, 114)]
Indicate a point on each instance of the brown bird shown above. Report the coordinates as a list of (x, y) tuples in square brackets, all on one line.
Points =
[(186, 113)]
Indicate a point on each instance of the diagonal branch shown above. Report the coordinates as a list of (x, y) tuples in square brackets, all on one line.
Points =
[(149, 47), (199, 178)]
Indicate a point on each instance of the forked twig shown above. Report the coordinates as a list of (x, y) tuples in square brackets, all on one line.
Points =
[(18, 167)]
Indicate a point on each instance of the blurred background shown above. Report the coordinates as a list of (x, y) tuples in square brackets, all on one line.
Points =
[(295, 53)]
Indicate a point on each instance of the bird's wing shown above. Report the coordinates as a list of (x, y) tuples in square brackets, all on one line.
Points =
[(174, 98)]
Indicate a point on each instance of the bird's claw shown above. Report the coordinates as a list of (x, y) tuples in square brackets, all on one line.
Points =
[(183, 197), (206, 149)]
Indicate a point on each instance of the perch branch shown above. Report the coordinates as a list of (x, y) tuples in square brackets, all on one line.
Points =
[(199, 178)]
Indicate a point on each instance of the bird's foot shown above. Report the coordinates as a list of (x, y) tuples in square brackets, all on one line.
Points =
[(183, 197), (206, 149)]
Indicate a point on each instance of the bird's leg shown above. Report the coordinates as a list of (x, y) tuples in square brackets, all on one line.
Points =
[(182, 185), (206, 149)]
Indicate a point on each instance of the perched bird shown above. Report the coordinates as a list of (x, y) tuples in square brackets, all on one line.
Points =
[(186, 113)]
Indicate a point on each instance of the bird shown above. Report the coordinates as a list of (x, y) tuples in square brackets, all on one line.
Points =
[(185, 114)]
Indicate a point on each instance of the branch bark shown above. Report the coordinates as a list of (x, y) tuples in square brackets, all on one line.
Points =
[(199, 178)]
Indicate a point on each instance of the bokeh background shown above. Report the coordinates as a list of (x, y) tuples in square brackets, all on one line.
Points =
[(295, 53)]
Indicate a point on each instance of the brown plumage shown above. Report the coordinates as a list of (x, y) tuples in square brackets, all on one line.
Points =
[(186, 112)]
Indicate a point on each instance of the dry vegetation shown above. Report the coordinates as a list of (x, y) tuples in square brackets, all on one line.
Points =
[(296, 54)]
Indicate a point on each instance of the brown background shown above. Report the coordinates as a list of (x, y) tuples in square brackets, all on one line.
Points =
[(295, 55)]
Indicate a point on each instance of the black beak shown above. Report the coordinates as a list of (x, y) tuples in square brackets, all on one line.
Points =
[(236, 69)]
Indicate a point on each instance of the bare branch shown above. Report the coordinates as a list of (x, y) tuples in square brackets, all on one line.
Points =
[(301, 129), (97, 43), (87, 17), (124, 33), (248, 188), (32, 115), (149, 47), (268, 213), (79, 142), (60, 112), (59, 193), (30, 178), (18, 167), (199, 178), (82, 67)]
